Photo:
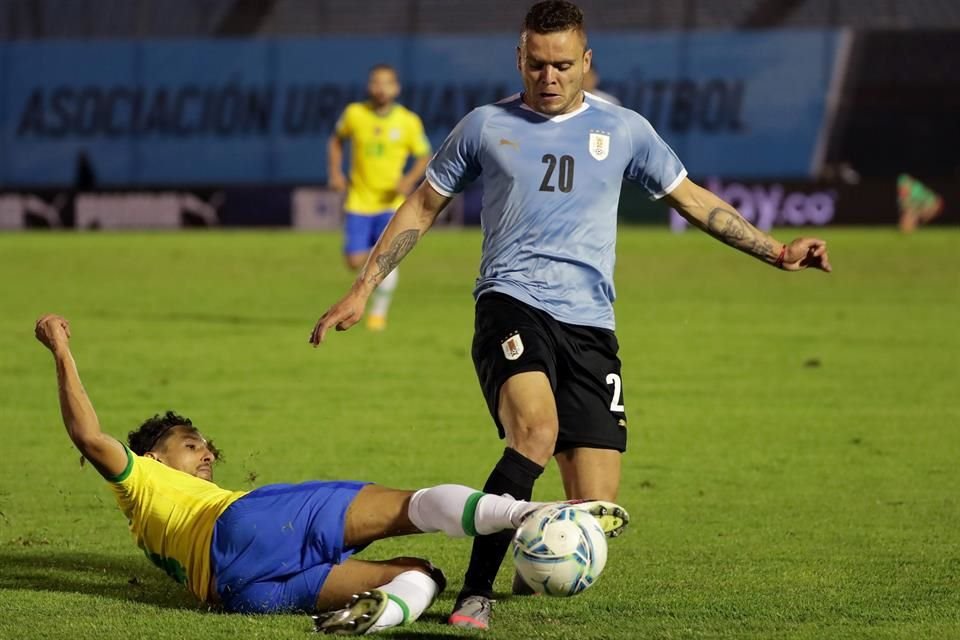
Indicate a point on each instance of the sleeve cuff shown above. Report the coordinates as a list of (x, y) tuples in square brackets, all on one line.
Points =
[(445, 193), (670, 187), (123, 475)]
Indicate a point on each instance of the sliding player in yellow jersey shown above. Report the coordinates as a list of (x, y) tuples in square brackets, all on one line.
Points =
[(383, 135), (281, 547)]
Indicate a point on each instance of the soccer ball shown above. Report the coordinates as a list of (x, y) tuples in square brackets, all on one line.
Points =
[(559, 550)]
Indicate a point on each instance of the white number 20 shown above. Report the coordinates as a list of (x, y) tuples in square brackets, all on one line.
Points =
[(615, 404)]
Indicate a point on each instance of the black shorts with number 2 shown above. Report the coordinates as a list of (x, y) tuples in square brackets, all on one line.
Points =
[(581, 362)]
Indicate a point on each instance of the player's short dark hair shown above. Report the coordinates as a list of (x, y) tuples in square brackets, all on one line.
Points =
[(383, 66), (551, 16), (155, 430)]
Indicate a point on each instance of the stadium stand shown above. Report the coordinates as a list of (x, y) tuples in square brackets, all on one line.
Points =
[(874, 14), (29, 19)]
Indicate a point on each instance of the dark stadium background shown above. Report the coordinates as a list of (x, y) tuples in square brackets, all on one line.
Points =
[(869, 89)]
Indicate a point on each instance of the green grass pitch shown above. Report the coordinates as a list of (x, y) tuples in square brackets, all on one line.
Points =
[(794, 461)]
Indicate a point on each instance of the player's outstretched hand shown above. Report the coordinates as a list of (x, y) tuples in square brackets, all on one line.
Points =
[(342, 315), (53, 331), (805, 253)]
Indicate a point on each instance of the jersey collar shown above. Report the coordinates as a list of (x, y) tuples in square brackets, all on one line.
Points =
[(560, 118), (373, 110)]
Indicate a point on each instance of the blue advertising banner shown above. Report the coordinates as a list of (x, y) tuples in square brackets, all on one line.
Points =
[(204, 112)]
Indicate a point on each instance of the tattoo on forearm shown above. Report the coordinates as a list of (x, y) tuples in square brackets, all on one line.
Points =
[(731, 228), (400, 247), (727, 225)]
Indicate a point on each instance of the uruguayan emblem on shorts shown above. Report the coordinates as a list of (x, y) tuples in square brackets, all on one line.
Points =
[(512, 347), (599, 144)]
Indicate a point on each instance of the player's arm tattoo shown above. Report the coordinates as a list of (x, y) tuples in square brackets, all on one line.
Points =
[(730, 227), (399, 248)]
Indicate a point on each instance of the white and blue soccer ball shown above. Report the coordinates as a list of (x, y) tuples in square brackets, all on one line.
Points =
[(559, 550)]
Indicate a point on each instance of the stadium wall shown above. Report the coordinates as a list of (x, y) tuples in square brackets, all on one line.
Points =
[(187, 113)]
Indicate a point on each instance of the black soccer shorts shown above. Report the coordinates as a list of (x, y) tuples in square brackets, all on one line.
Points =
[(581, 362)]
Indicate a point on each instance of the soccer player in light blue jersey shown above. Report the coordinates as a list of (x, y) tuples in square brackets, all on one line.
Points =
[(552, 160)]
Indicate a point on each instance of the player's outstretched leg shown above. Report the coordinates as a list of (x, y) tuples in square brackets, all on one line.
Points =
[(379, 512), (461, 511), (458, 511)]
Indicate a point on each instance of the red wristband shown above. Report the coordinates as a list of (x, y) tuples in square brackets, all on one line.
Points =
[(779, 262)]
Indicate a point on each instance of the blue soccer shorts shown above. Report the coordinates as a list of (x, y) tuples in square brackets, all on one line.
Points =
[(361, 232), (273, 548)]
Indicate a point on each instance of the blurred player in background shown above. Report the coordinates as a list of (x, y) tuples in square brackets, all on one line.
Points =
[(280, 547), (590, 84), (918, 204), (383, 135), (544, 348)]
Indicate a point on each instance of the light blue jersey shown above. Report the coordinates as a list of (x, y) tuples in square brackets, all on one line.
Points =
[(551, 187)]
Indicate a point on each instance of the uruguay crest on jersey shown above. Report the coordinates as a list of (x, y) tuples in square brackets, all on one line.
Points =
[(599, 144), (512, 347)]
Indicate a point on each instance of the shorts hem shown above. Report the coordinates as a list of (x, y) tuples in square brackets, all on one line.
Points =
[(568, 445)]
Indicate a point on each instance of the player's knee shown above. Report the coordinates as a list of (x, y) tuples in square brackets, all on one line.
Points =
[(535, 439)]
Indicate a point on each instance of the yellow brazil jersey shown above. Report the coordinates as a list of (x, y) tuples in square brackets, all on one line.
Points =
[(379, 148), (171, 516)]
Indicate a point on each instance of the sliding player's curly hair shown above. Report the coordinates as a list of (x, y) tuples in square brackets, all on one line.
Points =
[(551, 16), (154, 430)]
